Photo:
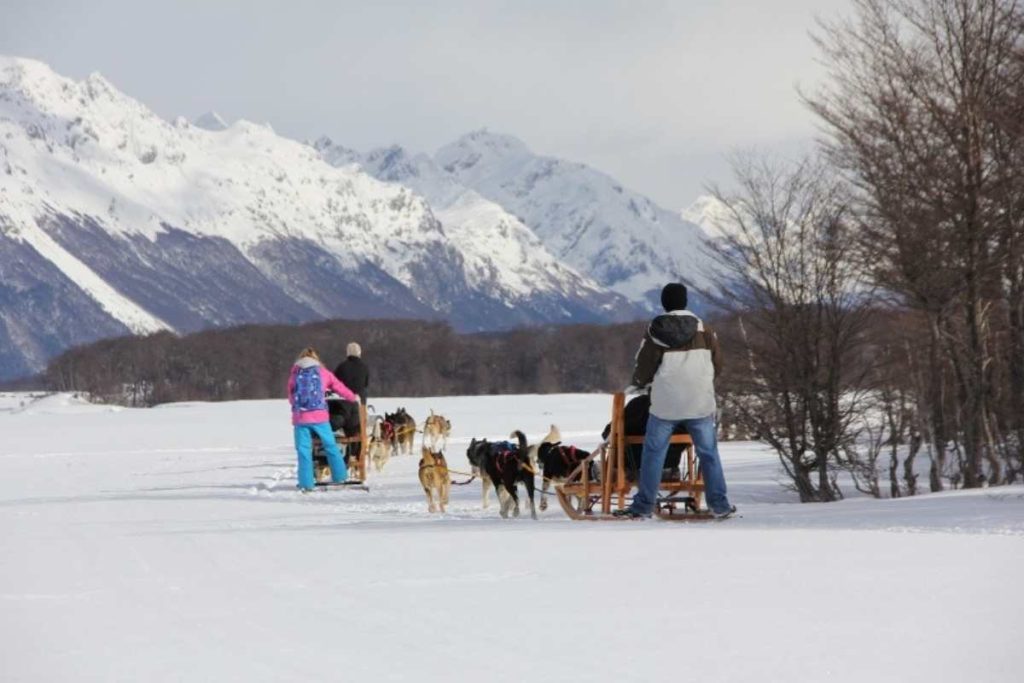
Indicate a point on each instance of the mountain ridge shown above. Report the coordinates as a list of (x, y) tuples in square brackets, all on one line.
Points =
[(620, 238), (168, 225)]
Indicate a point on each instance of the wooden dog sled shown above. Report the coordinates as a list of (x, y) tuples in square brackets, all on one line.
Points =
[(583, 498), (363, 439), (359, 469)]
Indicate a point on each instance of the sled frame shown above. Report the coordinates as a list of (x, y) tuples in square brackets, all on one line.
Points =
[(584, 499), (360, 468), (363, 439)]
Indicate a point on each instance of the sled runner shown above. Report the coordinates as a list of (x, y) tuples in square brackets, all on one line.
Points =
[(583, 498), (351, 484)]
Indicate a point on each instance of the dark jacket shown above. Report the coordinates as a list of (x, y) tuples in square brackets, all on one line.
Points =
[(635, 423), (355, 375)]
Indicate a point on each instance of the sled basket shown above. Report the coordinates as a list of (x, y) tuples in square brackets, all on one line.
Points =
[(583, 498)]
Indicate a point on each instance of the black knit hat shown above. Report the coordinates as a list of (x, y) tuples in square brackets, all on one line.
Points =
[(673, 296)]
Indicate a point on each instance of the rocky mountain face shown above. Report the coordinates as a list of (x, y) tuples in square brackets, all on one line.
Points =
[(586, 219), (502, 256), (114, 221)]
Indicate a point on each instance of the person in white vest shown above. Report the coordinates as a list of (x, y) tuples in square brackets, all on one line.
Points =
[(677, 362)]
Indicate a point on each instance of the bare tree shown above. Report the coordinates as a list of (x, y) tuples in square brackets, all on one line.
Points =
[(786, 271), (916, 113), (1007, 120)]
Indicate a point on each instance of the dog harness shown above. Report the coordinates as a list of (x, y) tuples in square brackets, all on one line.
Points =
[(502, 458), (438, 461), (570, 458)]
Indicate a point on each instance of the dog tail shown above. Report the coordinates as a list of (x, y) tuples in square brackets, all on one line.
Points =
[(553, 436), (521, 438)]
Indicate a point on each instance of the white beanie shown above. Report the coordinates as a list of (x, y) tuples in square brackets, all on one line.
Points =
[(353, 349)]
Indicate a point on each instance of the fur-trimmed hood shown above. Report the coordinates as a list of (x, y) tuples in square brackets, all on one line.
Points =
[(674, 330)]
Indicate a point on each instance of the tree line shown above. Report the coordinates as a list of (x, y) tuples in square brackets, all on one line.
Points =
[(406, 358), (876, 288)]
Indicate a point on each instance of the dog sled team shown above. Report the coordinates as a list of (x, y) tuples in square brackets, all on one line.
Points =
[(673, 380), (325, 408)]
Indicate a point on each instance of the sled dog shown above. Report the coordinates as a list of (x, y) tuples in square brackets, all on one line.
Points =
[(404, 431), (506, 466), (476, 454), (434, 478), (557, 462), (436, 430), (379, 444)]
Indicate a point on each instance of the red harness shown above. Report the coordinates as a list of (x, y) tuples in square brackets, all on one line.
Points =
[(569, 456), (502, 458)]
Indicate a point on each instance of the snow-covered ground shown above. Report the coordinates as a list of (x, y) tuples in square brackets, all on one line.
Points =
[(169, 545)]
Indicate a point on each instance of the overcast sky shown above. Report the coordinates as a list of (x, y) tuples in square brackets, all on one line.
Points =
[(655, 93)]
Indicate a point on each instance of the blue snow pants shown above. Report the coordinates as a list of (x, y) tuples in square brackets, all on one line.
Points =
[(304, 448)]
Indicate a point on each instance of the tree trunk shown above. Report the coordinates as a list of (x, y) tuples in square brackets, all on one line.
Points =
[(1015, 302), (825, 493), (909, 475), (992, 453), (894, 468), (804, 487), (972, 380), (936, 401)]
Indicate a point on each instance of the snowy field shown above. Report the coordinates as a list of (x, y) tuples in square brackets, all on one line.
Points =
[(169, 544)]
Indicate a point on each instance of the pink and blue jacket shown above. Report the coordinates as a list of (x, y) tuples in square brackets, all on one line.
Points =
[(329, 383)]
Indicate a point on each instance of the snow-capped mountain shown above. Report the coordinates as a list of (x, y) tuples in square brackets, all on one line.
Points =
[(211, 121), (710, 213), (503, 257), (587, 219), (114, 221)]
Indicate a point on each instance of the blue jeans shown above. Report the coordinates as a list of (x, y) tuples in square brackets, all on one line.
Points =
[(705, 442), (304, 447)]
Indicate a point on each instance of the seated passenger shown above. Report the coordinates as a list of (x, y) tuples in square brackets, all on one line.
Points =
[(635, 418), (344, 417)]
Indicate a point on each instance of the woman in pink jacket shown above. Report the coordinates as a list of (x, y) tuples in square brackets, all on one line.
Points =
[(307, 383)]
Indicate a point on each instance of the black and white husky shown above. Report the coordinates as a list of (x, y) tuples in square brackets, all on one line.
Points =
[(504, 465), (557, 461)]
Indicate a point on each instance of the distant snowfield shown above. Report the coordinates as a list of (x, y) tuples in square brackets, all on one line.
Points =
[(170, 545)]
